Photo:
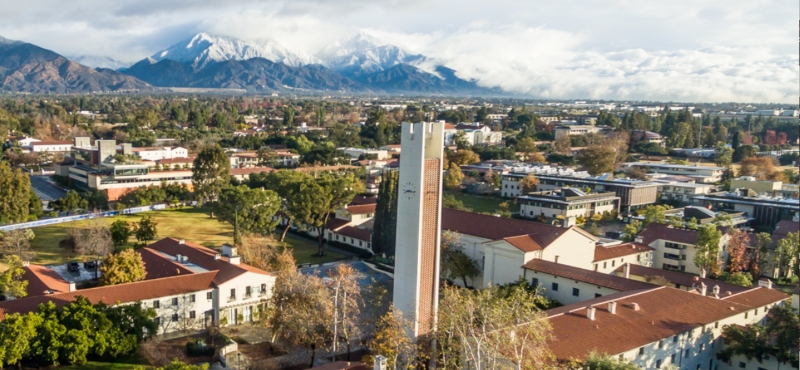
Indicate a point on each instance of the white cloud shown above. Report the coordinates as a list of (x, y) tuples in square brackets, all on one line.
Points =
[(709, 50)]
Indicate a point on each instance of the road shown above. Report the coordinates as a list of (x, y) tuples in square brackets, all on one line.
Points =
[(46, 189)]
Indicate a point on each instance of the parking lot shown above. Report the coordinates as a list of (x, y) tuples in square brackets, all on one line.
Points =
[(82, 274)]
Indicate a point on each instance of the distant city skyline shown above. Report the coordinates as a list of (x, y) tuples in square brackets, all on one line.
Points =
[(680, 50)]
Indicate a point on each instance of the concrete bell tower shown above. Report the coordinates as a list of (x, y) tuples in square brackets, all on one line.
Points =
[(419, 208)]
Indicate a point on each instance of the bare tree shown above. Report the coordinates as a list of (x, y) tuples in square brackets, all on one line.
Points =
[(18, 243), (94, 241), (347, 304)]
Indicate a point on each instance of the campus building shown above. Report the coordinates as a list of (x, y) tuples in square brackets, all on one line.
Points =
[(566, 204), (765, 211), (189, 286), (701, 174)]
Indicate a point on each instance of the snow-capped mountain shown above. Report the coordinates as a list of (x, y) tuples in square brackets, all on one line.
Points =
[(365, 54), (98, 61), (203, 49)]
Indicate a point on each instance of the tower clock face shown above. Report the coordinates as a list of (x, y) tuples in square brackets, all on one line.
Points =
[(409, 191)]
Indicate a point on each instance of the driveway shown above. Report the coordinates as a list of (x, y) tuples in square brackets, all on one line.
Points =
[(46, 189)]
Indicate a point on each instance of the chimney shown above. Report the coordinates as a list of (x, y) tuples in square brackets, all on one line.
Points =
[(182, 241), (703, 273), (217, 256), (703, 288), (612, 308), (380, 363), (715, 290), (26, 263), (72, 286), (638, 239), (590, 313), (228, 250), (627, 270), (178, 258), (765, 283), (635, 306), (234, 260)]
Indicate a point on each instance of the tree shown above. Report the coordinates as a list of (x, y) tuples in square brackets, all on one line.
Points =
[(738, 278), (785, 254), (779, 338), (120, 232), (34, 206), (453, 178), (784, 326), (529, 184), (286, 183), (145, 229), (11, 281), (724, 156), (18, 243), (392, 341), (15, 194), (46, 347), (707, 255), (462, 157), (288, 115), (248, 210), (759, 167), (347, 304), (16, 334), (321, 197), (384, 231), (737, 251), (70, 202), (562, 145), (94, 240), (637, 173), (654, 213), (210, 174), (597, 160), (758, 253), (597, 361), (692, 224), (179, 365), (631, 230), (299, 310), (121, 268), (460, 140), (455, 263), (529, 151), (267, 157), (265, 255)]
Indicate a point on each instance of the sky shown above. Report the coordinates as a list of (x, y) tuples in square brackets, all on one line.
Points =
[(665, 50)]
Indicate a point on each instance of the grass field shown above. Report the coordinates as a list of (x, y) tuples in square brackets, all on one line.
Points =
[(104, 366), (192, 224), (479, 203)]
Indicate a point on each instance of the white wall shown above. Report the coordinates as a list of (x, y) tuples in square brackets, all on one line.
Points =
[(242, 301), (610, 265), (183, 309), (571, 248), (565, 293)]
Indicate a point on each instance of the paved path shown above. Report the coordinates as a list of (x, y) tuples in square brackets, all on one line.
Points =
[(46, 189)]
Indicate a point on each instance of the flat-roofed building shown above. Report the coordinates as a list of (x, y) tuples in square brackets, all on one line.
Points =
[(566, 204), (702, 174), (578, 130), (765, 211)]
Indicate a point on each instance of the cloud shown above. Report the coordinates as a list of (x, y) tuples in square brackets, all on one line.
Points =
[(705, 50)]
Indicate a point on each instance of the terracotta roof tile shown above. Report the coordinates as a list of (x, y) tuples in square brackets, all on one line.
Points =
[(126, 293), (587, 276), (496, 228), (682, 278), (157, 266), (654, 231), (249, 170), (602, 253), (42, 279), (356, 233), (663, 312), (757, 297), (361, 199), (335, 224), (524, 243), (362, 209)]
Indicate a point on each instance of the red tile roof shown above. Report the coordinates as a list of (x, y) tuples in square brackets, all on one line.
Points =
[(663, 312), (496, 228), (586, 276), (176, 160), (683, 279), (158, 266), (356, 233), (362, 209), (602, 253), (361, 199), (249, 170), (655, 231), (756, 297), (336, 224), (524, 243), (125, 293), (41, 280)]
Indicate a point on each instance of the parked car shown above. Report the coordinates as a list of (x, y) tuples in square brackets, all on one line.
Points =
[(91, 265), (73, 267)]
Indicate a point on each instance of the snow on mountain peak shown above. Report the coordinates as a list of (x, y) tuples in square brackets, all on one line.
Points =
[(365, 53), (99, 61), (203, 49)]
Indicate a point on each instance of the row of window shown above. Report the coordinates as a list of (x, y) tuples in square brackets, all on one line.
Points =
[(554, 287), (175, 317)]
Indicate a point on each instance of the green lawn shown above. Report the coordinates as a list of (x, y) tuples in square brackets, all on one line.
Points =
[(192, 224), (480, 203), (104, 366)]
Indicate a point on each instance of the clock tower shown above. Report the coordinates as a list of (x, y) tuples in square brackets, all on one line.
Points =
[(416, 275)]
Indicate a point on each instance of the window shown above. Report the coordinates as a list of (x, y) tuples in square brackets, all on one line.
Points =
[(746, 314), (191, 315), (175, 301), (247, 291), (209, 295), (604, 264), (191, 298), (233, 293), (535, 282), (716, 325), (576, 292), (641, 351), (675, 339), (658, 364), (687, 352), (174, 317), (742, 365), (264, 288), (554, 287), (156, 304), (698, 366), (672, 359), (597, 295), (595, 267), (660, 344), (612, 263)]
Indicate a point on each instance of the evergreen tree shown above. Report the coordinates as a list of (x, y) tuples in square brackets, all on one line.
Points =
[(385, 229)]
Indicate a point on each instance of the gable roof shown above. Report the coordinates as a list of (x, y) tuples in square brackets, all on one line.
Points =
[(361, 209), (525, 243), (355, 233), (682, 278), (656, 231), (756, 297), (496, 228), (663, 312), (42, 280), (157, 266), (586, 276), (602, 253), (124, 293)]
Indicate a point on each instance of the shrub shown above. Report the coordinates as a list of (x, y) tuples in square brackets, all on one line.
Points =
[(198, 347)]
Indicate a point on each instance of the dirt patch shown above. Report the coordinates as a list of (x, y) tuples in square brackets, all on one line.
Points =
[(176, 348), (260, 351)]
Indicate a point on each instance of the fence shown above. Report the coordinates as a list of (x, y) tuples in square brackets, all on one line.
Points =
[(59, 220)]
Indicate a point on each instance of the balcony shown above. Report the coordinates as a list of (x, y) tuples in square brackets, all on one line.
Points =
[(231, 298), (248, 296), (262, 293)]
